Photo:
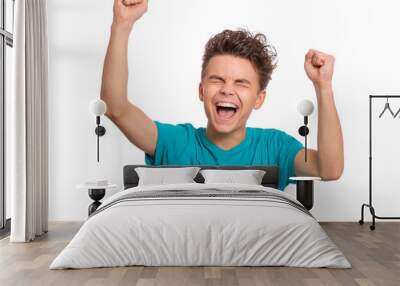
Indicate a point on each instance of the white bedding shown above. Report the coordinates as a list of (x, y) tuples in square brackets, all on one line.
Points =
[(181, 231)]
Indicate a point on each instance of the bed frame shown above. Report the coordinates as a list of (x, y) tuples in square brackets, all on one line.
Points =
[(304, 189)]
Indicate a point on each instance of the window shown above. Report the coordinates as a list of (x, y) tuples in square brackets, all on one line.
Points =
[(6, 44)]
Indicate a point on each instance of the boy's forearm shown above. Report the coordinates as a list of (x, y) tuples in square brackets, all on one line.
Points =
[(115, 71), (330, 138)]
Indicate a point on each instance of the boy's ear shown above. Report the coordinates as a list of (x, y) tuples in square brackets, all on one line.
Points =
[(200, 92), (260, 99)]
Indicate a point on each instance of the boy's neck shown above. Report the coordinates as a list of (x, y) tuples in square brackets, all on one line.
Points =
[(226, 141)]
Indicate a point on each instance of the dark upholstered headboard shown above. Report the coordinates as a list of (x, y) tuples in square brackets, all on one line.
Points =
[(270, 179)]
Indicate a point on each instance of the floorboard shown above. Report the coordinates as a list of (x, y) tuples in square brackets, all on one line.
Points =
[(374, 255)]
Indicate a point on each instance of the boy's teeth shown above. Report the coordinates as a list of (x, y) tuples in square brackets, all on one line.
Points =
[(226, 104)]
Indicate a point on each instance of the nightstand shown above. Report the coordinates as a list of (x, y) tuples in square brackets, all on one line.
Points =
[(96, 193), (305, 190)]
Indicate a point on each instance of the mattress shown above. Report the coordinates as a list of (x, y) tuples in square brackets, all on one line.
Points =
[(201, 225)]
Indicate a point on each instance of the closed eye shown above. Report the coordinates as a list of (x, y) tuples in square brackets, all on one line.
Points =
[(216, 79), (243, 82)]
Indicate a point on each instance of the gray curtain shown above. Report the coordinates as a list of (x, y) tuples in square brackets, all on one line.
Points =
[(28, 123)]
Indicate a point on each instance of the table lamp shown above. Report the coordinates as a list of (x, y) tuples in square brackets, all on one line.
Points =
[(305, 185), (98, 107), (305, 108)]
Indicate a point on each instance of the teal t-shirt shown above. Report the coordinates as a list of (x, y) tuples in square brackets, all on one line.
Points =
[(182, 144)]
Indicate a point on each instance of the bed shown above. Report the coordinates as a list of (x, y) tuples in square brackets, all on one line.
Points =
[(201, 224)]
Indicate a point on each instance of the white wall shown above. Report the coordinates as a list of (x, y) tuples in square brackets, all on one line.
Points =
[(164, 60)]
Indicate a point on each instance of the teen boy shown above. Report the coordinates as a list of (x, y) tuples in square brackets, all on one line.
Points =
[(237, 67)]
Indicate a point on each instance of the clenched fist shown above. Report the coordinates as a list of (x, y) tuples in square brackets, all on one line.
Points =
[(127, 12), (319, 68)]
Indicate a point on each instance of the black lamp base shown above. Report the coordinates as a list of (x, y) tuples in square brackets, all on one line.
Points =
[(100, 130), (303, 130)]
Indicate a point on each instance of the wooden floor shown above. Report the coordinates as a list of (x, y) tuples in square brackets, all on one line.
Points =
[(374, 255)]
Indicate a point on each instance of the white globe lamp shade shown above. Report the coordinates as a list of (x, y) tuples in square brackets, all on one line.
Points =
[(97, 107), (305, 107)]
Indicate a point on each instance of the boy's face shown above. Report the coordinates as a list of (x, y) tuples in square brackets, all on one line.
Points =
[(230, 91)]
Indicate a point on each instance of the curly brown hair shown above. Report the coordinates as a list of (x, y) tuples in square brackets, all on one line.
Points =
[(244, 44)]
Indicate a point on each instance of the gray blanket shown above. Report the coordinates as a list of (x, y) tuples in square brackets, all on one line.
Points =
[(201, 224)]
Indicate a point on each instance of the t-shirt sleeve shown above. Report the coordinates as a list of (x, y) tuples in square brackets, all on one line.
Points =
[(172, 142), (289, 147)]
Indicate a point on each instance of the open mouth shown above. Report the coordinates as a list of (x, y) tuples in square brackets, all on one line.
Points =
[(226, 111)]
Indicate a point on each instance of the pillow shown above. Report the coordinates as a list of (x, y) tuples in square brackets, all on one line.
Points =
[(249, 177), (161, 176)]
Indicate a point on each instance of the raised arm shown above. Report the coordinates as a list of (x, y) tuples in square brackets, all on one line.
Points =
[(328, 161), (132, 121)]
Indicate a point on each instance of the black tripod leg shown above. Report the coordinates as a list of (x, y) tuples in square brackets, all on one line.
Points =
[(372, 210), (361, 221)]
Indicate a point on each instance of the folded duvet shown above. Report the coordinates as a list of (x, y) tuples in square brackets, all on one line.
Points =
[(201, 224)]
